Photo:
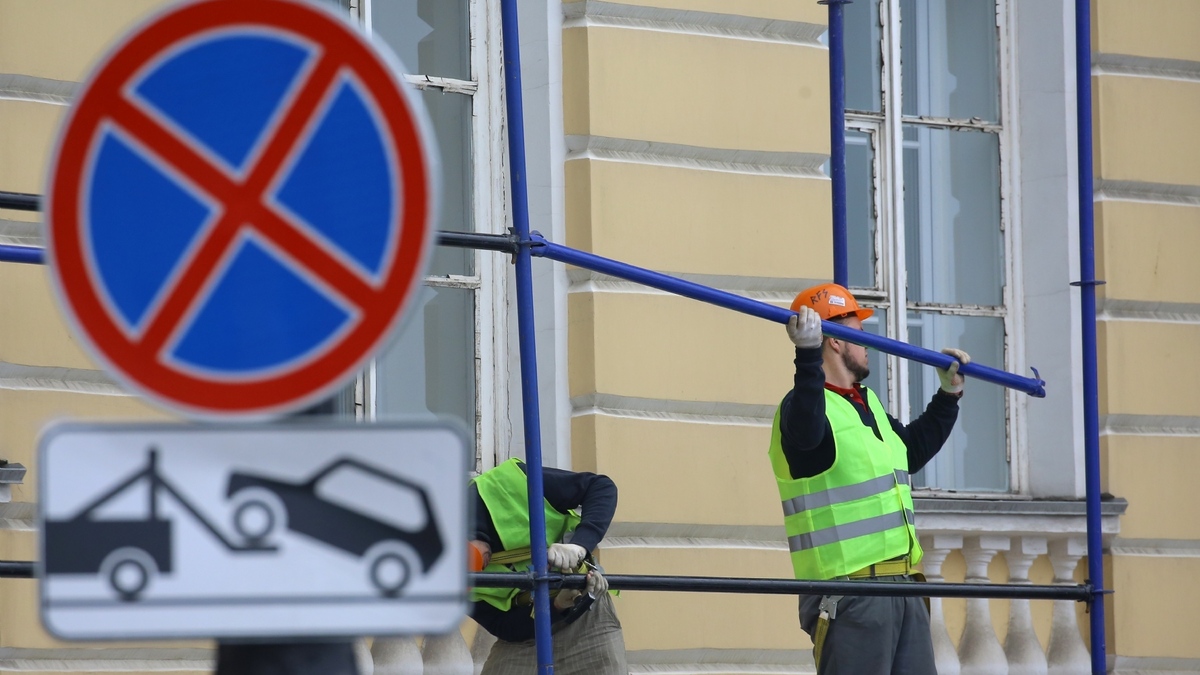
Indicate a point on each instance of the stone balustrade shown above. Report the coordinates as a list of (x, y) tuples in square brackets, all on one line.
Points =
[(1035, 541)]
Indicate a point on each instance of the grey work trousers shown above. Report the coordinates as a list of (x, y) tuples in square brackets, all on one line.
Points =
[(592, 645), (873, 635)]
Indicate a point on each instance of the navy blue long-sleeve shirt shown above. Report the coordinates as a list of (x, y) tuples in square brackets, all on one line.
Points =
[(807, 436), (594, 495)]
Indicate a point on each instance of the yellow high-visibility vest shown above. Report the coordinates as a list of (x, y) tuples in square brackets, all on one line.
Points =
[(506, 493), (859, 511)]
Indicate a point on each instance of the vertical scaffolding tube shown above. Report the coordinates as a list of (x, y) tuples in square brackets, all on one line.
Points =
[(1087, 289), (515, 113), (837, 140)]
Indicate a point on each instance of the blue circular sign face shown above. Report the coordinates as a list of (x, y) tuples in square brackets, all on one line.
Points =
[(241, 206)]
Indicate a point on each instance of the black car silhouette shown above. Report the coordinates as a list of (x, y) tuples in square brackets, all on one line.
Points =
[(354, 520)]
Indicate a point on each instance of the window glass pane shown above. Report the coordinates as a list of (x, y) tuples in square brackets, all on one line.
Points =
[(431, 37), (974, 457), (861, 40), (949, 58), (451, 117), (429, 369), (860, 208), (954, 248), (877, 380)]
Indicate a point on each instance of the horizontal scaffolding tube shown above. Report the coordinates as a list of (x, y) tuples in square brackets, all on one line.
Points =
[(16, 569), (22, 254), (1032, 386), (20, 201), (504, 243), (641, 582), (489, 242)]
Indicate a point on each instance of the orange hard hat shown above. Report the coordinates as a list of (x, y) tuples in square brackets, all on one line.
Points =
[(831, 301)]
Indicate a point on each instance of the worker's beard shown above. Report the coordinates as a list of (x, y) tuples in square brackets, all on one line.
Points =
[(859, 371)]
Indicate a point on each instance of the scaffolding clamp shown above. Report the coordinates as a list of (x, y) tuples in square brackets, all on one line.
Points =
[(11, 474)]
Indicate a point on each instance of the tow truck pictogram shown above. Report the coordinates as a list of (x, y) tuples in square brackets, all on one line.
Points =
[(129, 552)]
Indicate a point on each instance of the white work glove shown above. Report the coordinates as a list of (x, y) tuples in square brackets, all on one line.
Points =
[(565, 599), (804, 328), (952, 382), (597, 585), (565, 557)]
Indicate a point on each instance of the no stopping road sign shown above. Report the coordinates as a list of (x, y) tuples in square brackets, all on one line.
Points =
[(241, 206)]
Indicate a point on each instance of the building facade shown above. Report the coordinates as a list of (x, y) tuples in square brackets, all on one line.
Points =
[(692, 137)]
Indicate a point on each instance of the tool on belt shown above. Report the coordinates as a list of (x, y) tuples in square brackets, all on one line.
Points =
[(827, 609), (582, 603)]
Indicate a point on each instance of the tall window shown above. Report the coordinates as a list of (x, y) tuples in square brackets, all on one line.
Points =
[(441, 361), (925, 187)]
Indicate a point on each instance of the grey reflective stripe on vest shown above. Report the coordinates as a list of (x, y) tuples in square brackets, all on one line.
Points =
[(859, 528), (845, 493)]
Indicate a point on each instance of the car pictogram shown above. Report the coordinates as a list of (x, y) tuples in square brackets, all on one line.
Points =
[(384, 519)]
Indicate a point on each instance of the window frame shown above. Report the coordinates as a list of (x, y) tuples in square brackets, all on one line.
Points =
[(885, 131), (489, 282)]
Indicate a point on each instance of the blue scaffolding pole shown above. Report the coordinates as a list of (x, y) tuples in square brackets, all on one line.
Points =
[(514, 107), (837, 139), (1087, 308), (1033, 386)]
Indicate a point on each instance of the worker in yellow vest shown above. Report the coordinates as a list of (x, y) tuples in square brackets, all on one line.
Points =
[(586, 632), (842, 466)]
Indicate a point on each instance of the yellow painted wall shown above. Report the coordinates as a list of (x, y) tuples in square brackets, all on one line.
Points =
[(676, 88), (1155, 494), (1144, 625), (727, 463), (1152, 28), (1146, 251), (667, 347), (715, 621), (1140, 142), (1138, 358), (57, 40), (26, 135), (672, 218), (784, 10), (37, 333), (62, 39), (1149, 368)]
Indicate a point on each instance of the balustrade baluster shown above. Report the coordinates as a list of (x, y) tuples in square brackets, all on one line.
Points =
[(1025, 655), (362, 657), (937, 548), (1067, 654), (447, 655), (481, 646), (397, 656), (979, 650)]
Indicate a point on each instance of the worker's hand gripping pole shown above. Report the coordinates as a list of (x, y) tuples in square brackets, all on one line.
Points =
[(1033, 386)]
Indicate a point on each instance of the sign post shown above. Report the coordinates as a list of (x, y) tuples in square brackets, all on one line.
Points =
[(240, 210)]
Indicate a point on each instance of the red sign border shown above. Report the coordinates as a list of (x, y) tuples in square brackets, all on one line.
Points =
[(399, 281)]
